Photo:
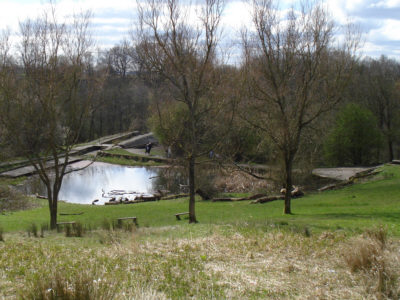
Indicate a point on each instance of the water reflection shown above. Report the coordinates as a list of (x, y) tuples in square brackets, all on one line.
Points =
[(86, 185)]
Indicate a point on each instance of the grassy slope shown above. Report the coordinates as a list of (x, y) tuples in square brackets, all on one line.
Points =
[(238, 251), (353, 208)]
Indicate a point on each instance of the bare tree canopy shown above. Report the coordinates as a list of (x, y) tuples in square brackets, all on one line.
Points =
[(46, 95), (294, 73), (178, 52)]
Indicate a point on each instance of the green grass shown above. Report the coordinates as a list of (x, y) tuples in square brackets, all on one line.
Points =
[(12, 181), (353, 209), (237, 251), (119, 151), (128, 162)]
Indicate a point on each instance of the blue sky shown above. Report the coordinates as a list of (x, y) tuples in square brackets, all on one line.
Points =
[(379, 20)]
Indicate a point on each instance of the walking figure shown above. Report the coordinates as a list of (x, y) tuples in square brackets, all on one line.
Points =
[(148, 147)]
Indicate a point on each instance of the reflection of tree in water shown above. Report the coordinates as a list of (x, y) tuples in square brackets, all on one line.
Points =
[(170, 179), (86, 185)]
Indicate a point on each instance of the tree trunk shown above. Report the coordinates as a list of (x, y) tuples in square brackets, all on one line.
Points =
[(53, 214), (390, 145), (53, 205), (288, 185), (192, 214)]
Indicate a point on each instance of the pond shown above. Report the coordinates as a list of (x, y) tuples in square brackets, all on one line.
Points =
[(98, 180)]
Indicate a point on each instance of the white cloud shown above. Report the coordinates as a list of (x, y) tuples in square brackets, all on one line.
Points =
[(113, 18)]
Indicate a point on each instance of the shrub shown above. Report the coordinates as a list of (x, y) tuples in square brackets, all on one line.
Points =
[(12, 200), (355, 139)]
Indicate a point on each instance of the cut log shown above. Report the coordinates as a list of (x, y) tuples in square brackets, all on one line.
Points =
[(227, 199), (256, 196), (174, 196), (268, 199), (336, 185)]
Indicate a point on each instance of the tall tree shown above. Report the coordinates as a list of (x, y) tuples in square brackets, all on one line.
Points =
[(293, 74), (45, 97), (383, 98), (179, 53)]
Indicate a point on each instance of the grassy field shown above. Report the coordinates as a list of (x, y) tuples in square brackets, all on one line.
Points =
[(341, 244), (354, 208)]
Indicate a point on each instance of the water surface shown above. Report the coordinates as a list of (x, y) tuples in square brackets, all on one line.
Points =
[(86, 185)]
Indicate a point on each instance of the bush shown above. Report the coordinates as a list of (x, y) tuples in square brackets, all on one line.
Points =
[(355, 139), (12, 200)]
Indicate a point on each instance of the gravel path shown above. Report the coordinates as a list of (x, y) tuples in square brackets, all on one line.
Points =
[(338, 173)]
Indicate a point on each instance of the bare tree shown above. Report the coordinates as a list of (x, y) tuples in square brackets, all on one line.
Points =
[(45, 97), (382, 97), (180, 54), (294, 74)]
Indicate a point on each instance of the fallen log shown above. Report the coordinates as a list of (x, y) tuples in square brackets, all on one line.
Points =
[(227, 199), (336, 185), (365, 173), (268, 199), (71, 214), (111, 203), (174, 196)]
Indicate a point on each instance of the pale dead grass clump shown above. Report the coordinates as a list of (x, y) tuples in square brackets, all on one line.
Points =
[(377, 261), (57, 286)]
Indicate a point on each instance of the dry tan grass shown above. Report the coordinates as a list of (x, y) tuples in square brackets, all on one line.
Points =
[(220, 262), (239, 182)]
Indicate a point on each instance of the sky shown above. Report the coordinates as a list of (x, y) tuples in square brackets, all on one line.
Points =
[(112, 20)]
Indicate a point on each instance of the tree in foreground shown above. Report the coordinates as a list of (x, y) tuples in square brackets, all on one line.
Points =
[(45, 95), (178, 53), (294, 74)]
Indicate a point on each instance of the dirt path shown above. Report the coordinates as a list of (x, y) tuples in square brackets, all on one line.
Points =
[(338, 173)]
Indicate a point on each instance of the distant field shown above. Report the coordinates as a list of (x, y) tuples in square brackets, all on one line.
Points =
[(354, 208)]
